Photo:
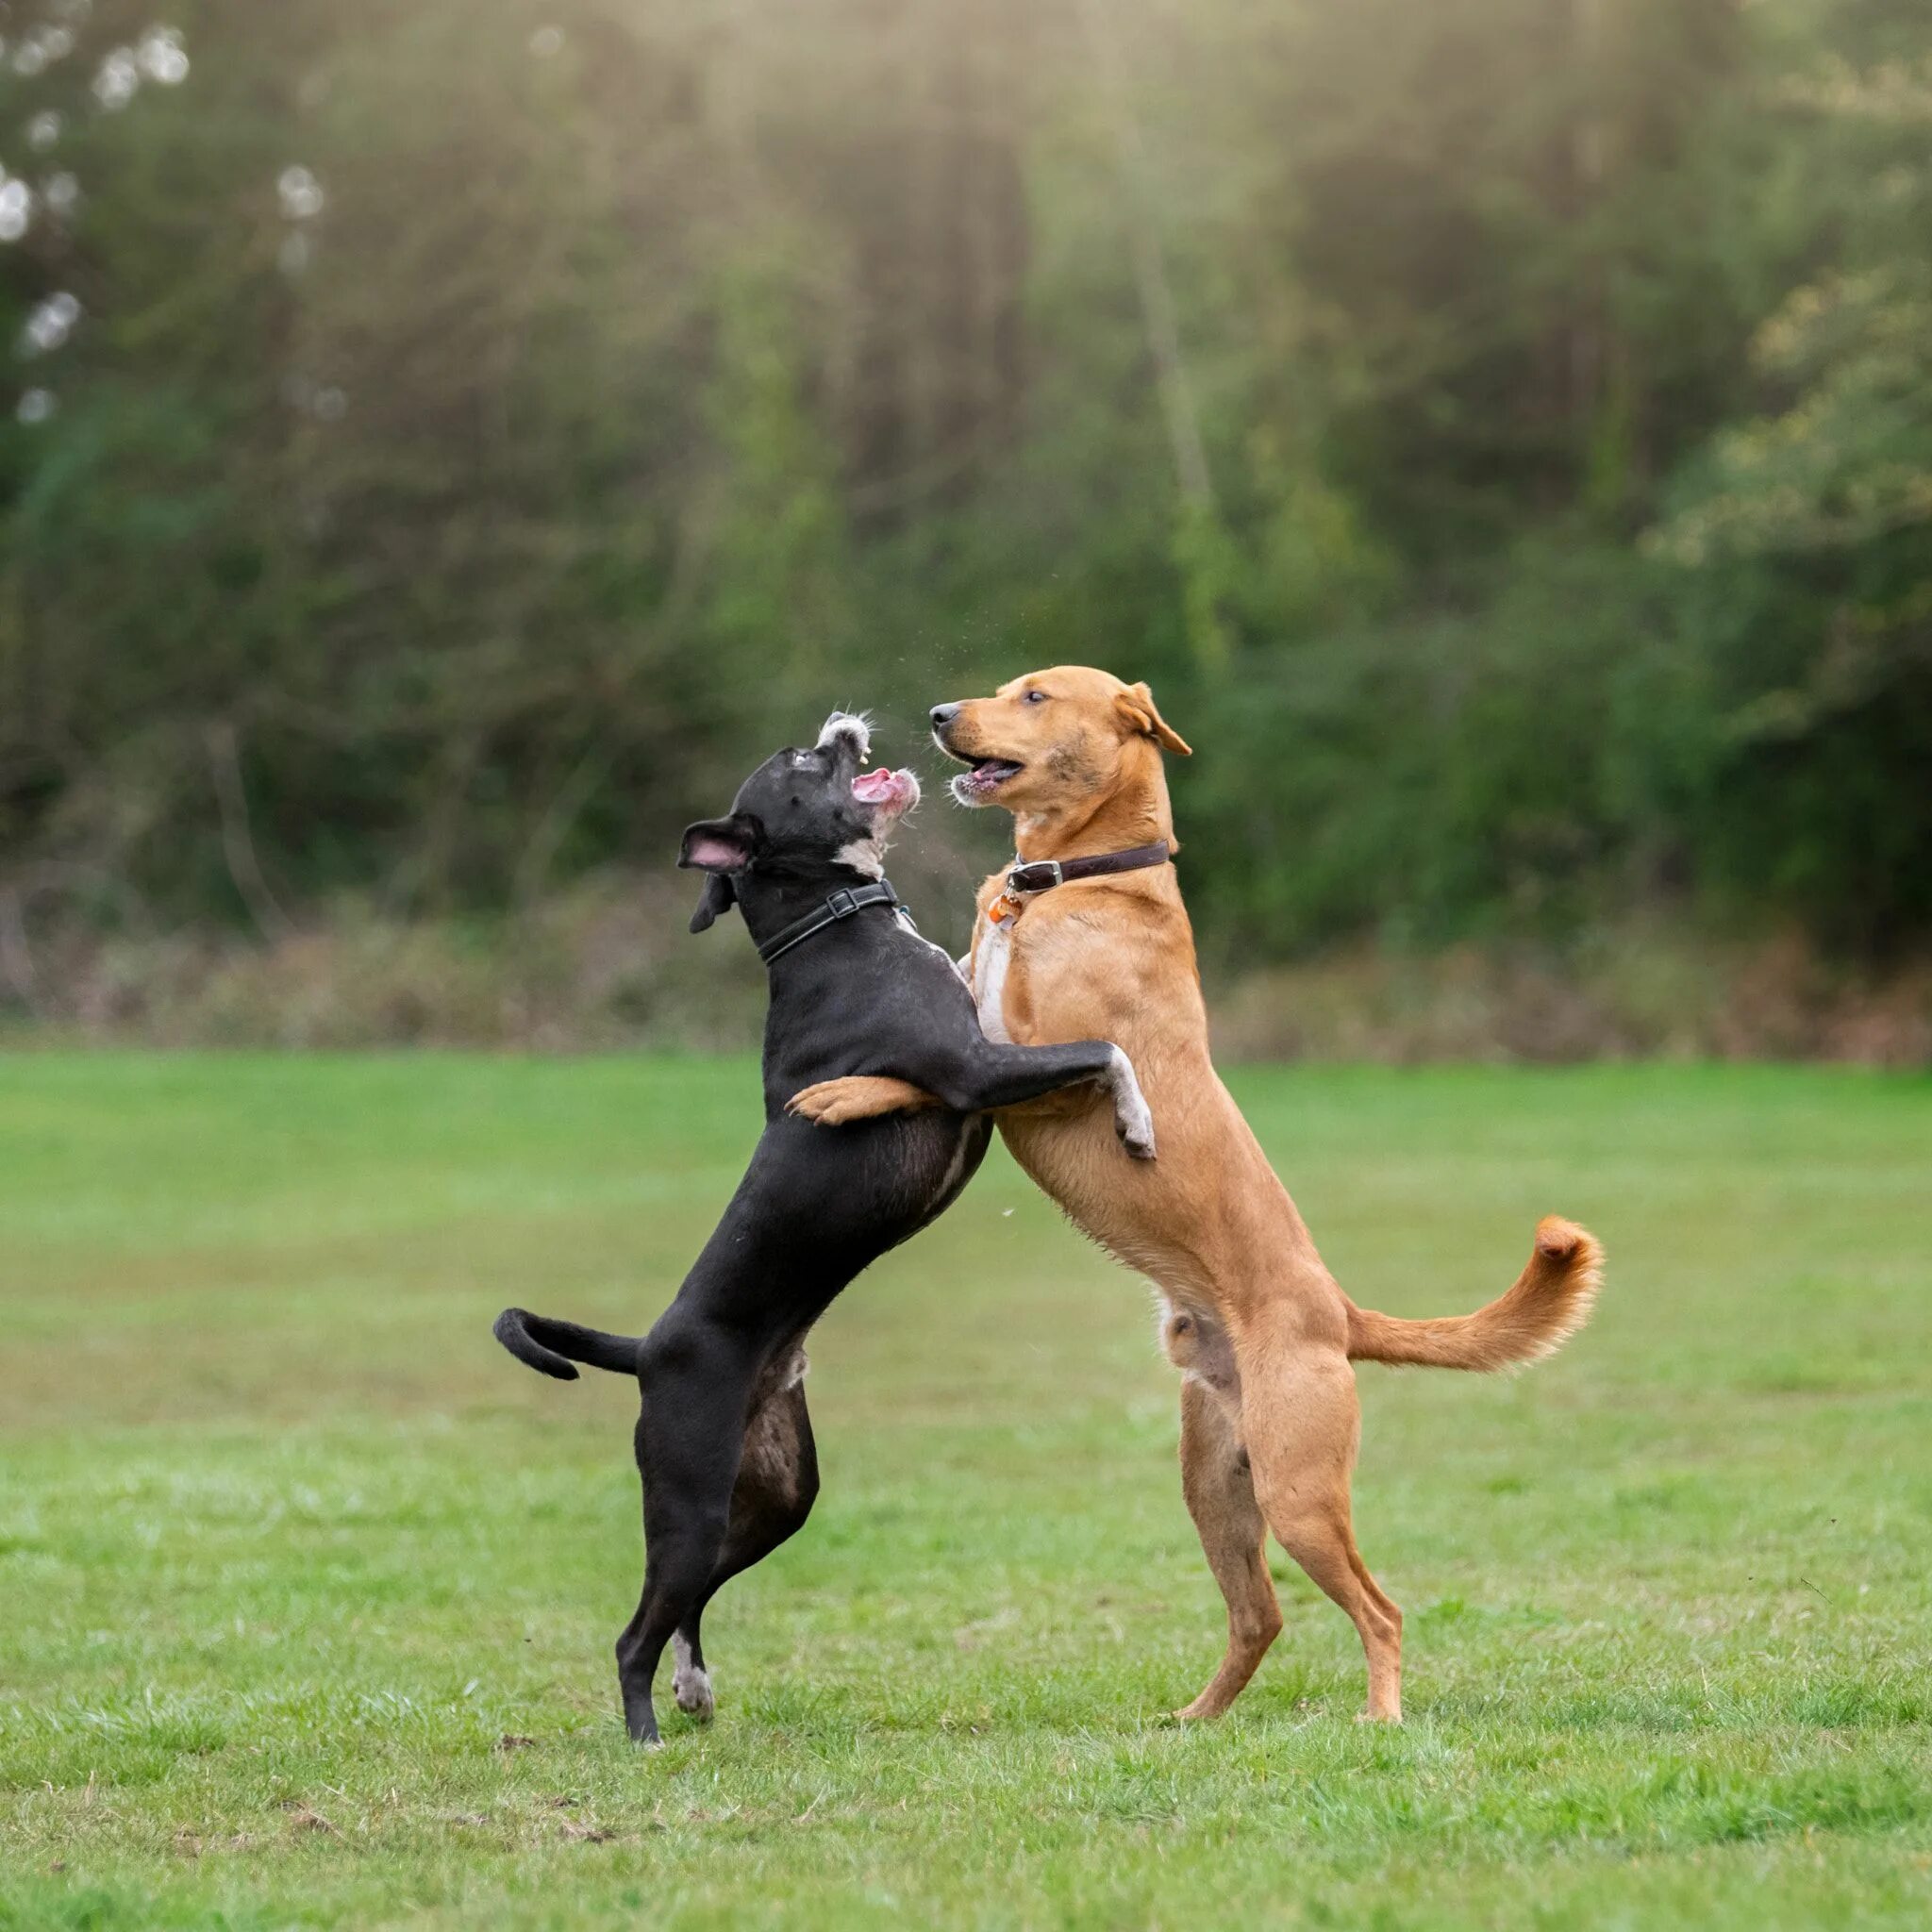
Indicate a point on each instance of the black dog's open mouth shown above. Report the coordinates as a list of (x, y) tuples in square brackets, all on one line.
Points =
[(986, 778), (888, 793)]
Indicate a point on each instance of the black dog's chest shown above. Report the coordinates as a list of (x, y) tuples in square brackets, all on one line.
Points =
[(859, 1000), (868, 996), (865, 1187)]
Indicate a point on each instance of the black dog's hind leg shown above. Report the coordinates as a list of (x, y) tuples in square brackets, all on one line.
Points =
[(695, 1382), (777, 1484)]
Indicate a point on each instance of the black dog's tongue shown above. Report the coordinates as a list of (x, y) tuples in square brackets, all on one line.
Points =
[(886, 789)]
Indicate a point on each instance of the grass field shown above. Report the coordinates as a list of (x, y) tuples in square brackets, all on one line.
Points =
[(308, 1591)]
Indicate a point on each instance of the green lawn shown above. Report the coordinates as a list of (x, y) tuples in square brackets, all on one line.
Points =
[(307, 1591)]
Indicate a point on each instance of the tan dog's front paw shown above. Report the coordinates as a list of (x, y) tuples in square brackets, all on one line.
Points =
[(824, 1105), (1131, 1120), (856, 1097)]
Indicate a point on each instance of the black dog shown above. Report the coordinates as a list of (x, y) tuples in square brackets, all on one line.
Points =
[(724, 1442)]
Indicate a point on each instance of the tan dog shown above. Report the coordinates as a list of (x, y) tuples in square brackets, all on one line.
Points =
[(1262, 1334)]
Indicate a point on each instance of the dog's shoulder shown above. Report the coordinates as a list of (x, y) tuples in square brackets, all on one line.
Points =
[(1096, 948), (1107, 911)]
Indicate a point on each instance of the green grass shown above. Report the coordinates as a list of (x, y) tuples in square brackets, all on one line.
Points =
[(308, 1591)]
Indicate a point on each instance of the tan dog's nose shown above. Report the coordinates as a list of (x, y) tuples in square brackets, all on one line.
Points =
[(944, 715)]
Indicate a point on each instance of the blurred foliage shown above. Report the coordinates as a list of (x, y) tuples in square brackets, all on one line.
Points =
[(447, 442)]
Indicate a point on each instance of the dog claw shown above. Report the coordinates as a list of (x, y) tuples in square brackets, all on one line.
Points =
[(807, 1105)]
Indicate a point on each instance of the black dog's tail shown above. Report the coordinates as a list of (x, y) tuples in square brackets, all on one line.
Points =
[(543, 1343)]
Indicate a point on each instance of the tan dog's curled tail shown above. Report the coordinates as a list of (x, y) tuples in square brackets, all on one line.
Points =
[(1549, 1302)]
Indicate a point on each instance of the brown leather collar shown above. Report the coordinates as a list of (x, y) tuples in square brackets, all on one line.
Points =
[(1035, 876)]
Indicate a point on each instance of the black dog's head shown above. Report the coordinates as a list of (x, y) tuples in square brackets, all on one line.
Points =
[(804, 814)]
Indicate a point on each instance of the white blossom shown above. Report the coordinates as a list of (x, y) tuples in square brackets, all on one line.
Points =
[(162, 58), (118, 79), (49, 324), (301, 192), (16, 209)]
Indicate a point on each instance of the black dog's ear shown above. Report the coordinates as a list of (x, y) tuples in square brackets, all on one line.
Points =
[(718, 897), (722, 844), (719, 847)]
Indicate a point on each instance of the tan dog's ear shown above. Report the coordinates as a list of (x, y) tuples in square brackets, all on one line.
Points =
[(1137, 708)]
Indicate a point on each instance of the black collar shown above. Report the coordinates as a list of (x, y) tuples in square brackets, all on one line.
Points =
[(1043, 875), (840, 905)]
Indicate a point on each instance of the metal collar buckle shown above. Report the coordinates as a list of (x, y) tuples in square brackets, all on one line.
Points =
[(1036, 876)]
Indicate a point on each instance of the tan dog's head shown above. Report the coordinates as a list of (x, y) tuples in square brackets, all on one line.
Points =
[(1052, 739)]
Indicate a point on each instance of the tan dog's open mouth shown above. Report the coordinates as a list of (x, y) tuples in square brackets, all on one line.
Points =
[(987, 776)]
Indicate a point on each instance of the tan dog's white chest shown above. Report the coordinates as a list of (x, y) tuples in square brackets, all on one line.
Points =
[(989, 963)]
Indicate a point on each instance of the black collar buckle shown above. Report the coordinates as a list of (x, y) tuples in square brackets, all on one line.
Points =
[(834, 907)]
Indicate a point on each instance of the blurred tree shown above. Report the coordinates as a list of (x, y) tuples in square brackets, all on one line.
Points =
[(1807, 531), (449, 442)]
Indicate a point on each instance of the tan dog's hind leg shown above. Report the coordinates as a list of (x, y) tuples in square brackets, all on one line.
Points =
[(1221, 1499), (857, 1097), (1300, 1421)]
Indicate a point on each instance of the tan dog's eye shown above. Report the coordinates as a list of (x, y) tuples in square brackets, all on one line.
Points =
[(1035, 697)]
